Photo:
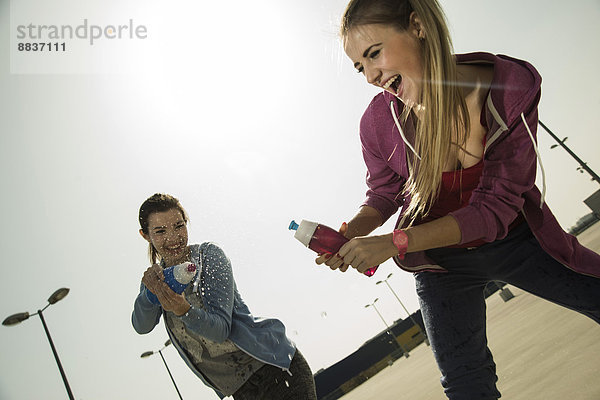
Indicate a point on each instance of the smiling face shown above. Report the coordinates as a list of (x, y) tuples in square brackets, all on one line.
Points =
[(167, 232), (389, 58)]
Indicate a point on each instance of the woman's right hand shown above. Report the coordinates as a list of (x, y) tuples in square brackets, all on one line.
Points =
[(333, 261), (153, 277), (154, 280)]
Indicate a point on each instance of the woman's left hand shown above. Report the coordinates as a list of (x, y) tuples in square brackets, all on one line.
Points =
[(366, 252), (171, 301)]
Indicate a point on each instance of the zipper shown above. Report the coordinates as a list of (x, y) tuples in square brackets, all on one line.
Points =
[(263, 361), (195, 290)]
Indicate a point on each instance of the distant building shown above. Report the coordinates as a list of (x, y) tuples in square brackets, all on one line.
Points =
[(583, 223), (374, 355), (593, 202)]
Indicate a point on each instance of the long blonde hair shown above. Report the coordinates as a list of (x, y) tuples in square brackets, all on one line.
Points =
[(443, 121)]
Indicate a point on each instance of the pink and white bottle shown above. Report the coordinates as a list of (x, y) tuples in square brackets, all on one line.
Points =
[(321, 239)]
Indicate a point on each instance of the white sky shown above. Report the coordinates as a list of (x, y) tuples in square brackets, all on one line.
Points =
[(248, 112)]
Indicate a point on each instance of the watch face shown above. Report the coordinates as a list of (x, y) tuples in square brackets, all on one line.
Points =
[(400, 239)]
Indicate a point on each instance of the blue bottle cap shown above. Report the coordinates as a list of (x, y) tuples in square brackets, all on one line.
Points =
[(293, 225)]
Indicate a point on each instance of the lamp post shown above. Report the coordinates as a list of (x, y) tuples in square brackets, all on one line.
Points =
[(20, 317), (582, 165), (149, 353), (402, 304), (388, 327)]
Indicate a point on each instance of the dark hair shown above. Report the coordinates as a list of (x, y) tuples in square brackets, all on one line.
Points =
[(158, 202)]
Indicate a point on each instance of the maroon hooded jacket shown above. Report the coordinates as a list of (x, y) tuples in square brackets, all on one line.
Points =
[(507, 184)]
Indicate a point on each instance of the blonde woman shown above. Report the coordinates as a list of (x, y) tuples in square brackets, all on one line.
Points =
[(451, 141)]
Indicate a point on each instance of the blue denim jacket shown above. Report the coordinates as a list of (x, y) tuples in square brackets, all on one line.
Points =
[(225, 316)]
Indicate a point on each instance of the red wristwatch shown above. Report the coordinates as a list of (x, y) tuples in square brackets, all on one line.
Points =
[(400, 239)]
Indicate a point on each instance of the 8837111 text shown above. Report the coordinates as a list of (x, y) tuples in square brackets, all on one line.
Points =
[(41, 46)]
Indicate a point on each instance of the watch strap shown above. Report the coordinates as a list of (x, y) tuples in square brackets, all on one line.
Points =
[(400, 239)]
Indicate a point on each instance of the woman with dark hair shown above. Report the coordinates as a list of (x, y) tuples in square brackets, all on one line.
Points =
[(451, 141), (212, 328)]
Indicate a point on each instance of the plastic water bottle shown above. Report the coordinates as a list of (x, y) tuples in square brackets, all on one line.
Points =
[(321, 239), (178, 277)]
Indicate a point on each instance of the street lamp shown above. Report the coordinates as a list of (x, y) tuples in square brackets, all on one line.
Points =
[(582, 165), (20, 317), (149, 353), (402, 304), (579, 168), (389, 331)]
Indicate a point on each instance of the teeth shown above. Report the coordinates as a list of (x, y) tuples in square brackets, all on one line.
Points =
[(390, 81)]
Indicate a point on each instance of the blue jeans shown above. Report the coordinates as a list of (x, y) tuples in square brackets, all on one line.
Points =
[(453, 304)]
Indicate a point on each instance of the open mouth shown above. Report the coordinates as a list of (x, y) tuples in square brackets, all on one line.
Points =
[(393, 85), (174, 249)]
